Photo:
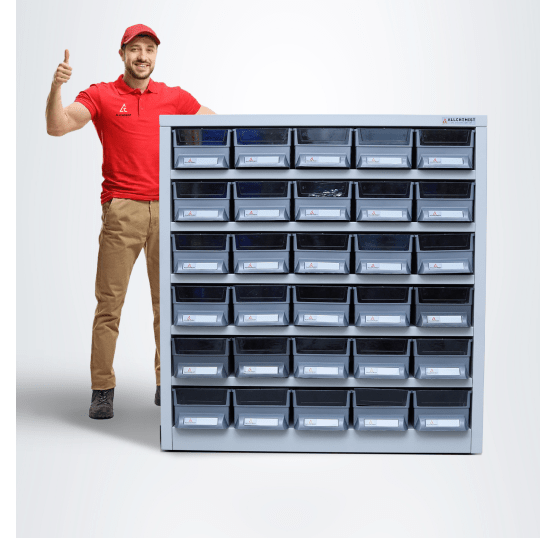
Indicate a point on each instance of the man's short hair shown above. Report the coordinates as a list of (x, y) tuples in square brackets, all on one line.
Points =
[(137, 36)]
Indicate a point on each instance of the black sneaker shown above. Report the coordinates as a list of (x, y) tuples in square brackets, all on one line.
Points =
[(102, 404), (157, 398)]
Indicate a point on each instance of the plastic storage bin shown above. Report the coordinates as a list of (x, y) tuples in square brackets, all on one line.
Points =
[(384, 201), (321, 358), (390, 148), (204, 358), (444, 253), (441, 410), (322, 253), (256, 305), (444, 200), (201, 148), (201, 408), (444, 148), (261, 409), (201, 200), (381, 358), (200, 253), (445, 358), (381, 409), (384, 306), (321, 305), (200, 306), (383, 253), (262, 147), (323, 147), (262, 201), (444, 306), (265, 357), (261, 253), (322, 200), (321, 410)]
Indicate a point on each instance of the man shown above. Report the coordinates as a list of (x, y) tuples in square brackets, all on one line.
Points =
[(125, 114)]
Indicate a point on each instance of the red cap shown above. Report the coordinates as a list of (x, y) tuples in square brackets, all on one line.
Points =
[(139, 29)]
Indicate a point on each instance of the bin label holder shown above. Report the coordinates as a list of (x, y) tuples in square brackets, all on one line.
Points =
[(430, 423), (319, 422), (370, 370), (261, 422), (261, 213), (319, 370), (200, 420), (259, 370), (370, 423), (200, 161), (445, 161)]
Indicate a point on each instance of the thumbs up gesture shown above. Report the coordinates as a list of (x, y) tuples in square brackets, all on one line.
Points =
[(63, 71)]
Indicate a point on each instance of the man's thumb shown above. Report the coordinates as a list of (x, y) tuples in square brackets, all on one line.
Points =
[(66, 56)]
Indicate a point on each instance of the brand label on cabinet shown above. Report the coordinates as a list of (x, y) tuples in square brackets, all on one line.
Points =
[(261, 159), (321, 422), (201, 213), (199, 265), (200, 421), (192, 370), (200, 161), (266, 422), (442, 422), (261, 317), (385, 371)]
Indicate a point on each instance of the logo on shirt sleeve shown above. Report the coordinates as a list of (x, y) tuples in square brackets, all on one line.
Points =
[(123, 111)]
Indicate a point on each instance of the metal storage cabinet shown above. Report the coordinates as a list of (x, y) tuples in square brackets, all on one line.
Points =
[(443, 197)]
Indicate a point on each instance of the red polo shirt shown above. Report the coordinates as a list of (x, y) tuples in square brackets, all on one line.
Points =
[(127, 123)]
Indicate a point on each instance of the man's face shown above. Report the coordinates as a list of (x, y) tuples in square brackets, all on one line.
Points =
[(139, 57)]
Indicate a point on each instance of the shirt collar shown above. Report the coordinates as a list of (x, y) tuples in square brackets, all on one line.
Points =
[(123, 88)]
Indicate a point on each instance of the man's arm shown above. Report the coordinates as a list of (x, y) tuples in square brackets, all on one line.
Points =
[(203, 110), (62, 120)]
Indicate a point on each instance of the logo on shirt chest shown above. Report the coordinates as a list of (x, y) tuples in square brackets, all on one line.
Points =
[(123, 112)]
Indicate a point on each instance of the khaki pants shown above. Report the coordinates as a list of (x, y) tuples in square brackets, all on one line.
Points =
[(127, 227)]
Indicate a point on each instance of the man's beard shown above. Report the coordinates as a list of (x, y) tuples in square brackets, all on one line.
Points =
[(135, 75)]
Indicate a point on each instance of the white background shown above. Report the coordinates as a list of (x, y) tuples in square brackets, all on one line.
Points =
[(82, 478)]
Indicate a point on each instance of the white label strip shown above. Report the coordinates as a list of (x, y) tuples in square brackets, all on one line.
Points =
[(310, 370), (191, 370), (446, 371), (383, 161), (370, 266), (322, 213), (321, 422), (381, 422), (200, 161), (266, 422), (258, 370), (323, 159), (321, 265), (261, 159), (200, 421), (446, 265), (374, 214), (444, 213), (261, 265), (201, 213), (442, 422), (261, 213), (381, 371), (383, 318), (261, 317), (444, 319), (445, 161), (322, 318), (200, 318), (199, 265)]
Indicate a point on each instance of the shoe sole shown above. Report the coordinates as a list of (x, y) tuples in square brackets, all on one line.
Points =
[(100, 416)]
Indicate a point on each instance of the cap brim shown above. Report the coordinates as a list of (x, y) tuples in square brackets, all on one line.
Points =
[(130, 38)]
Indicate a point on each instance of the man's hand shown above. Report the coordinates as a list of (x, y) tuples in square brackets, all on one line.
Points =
[(63, 72)]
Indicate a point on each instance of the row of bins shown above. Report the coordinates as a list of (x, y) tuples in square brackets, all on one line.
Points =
[(436, 201), (375, 253), (322, 410), (322, 357), (322, 305), (326, 147)]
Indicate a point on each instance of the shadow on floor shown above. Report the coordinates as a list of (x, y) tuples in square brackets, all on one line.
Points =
[(136, 417)]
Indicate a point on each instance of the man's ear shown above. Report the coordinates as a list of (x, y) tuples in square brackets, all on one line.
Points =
[(121, 52)]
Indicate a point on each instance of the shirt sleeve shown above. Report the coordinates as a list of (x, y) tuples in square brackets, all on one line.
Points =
[(187, 105), (89, 98)]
